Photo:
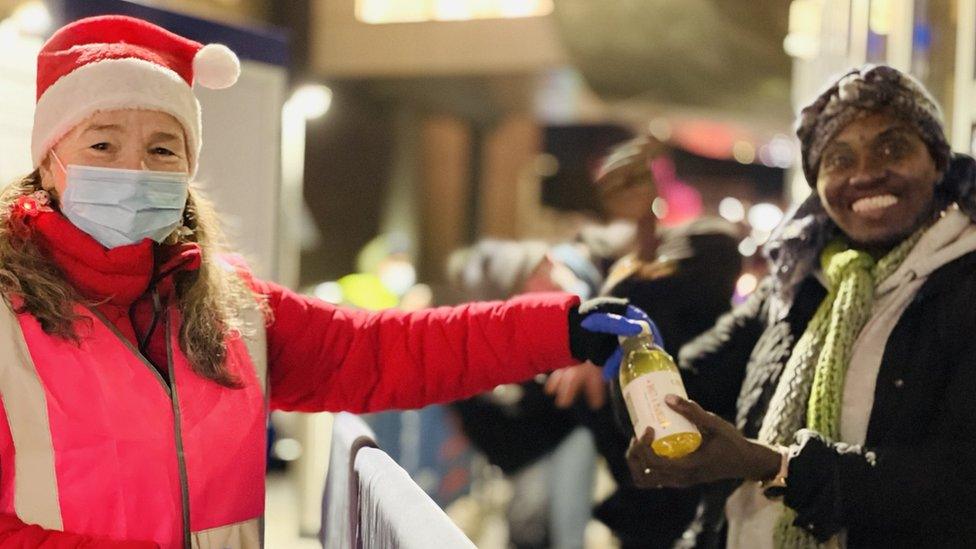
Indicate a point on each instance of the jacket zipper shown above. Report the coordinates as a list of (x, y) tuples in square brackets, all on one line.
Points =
[(184, 482), (170, 389)]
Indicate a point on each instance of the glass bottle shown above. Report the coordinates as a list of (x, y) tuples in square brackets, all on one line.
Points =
[(647, 375)]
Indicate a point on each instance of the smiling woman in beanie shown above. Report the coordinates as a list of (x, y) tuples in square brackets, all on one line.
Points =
[(138, 362), (855, 422)]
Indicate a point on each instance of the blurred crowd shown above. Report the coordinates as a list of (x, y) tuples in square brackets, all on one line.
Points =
[(548, 437)]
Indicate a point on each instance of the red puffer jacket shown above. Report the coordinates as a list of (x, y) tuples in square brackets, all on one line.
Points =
[(320, 357)]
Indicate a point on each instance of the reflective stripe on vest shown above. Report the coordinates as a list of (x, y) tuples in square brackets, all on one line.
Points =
[(25, 404), (101, 449), (243, 535)]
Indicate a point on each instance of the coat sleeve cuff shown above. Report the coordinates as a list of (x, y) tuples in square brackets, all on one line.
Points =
[(813, 487), (544, 321)]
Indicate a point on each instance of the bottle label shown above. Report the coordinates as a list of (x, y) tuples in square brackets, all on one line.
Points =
[(645, 404)]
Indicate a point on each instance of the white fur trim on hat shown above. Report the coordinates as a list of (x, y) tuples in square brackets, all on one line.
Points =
[(216, 67), (111, 85)]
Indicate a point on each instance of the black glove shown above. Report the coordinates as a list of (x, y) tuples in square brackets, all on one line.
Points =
[(594, 346)]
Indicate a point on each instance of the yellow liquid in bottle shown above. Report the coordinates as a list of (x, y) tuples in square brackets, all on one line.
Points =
[(641, 357)]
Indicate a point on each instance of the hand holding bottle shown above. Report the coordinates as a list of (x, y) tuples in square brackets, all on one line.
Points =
[(725, 453)]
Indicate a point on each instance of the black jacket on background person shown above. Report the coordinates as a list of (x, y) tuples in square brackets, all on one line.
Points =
[(914, 482), (517, 429), (684, 293)]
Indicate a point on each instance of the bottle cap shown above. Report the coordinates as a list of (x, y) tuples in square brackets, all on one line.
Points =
[(645, 331), (645, 327)]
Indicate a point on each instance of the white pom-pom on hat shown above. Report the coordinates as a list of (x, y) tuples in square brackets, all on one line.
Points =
[(216, 67)]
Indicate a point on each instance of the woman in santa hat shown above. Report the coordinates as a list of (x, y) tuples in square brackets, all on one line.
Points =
[(138, 362)]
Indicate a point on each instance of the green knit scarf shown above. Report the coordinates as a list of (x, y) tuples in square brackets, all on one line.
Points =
[(815, 373)]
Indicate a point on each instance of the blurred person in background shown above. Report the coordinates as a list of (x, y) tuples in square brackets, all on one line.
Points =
[(138, 362), (685, 275), (628, 225), (855, 361), (548, 457), (705, 249)]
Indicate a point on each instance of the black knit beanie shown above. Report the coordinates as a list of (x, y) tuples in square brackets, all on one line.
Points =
[(862, 91)]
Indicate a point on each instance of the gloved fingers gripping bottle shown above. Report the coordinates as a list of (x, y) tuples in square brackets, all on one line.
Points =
[(647, 375)]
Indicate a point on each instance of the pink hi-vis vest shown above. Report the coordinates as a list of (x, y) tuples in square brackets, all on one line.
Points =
[(99, 444)]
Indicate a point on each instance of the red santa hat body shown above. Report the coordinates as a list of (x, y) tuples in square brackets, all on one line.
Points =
[(116, 62)]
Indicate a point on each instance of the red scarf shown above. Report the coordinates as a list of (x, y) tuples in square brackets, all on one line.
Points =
[(120, 279)]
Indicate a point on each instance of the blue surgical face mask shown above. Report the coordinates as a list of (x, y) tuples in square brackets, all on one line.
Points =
[(118, 207)]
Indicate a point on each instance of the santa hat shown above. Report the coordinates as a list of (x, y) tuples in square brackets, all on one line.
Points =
[(116, 62)]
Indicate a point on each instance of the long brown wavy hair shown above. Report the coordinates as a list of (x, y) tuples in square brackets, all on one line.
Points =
[(210, 299)]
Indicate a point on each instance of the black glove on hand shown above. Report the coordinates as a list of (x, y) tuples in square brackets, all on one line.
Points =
[(593, 346)]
